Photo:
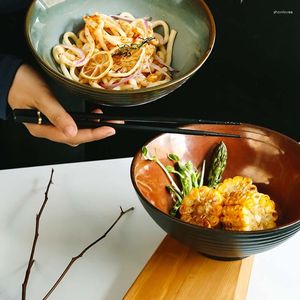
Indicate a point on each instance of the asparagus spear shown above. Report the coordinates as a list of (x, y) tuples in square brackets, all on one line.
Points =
[(219, 161)]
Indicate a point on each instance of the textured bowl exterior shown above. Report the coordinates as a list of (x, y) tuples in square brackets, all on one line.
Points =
[(271, 159), (45, 25), (218, 243)]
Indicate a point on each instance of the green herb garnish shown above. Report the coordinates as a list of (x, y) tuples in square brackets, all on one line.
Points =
[(126, 49)]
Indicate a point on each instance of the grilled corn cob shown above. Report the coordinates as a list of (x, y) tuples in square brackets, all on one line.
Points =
[(203, 207), (245, 211), (244, 207), (237, 183), (235, 204)]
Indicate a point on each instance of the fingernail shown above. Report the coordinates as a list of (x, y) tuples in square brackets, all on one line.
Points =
[(110, 132), (70, 131)]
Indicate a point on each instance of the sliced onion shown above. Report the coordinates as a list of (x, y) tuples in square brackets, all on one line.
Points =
[(163, 63), (158, 68), (148, 18), (146, 24), (77, 51), (122, 81), (117, 17)]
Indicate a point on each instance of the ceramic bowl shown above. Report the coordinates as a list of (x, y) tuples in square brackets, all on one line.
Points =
[(46, 22), (271, 159)]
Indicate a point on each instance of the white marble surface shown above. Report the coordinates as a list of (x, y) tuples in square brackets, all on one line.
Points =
[(276, 273), (83, 202)]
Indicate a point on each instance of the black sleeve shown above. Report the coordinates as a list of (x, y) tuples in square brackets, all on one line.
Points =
[(9, 6), (9, 65)]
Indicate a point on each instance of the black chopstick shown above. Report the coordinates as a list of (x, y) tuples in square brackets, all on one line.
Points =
[(149, 119), (169, 130), (23, 115), (93, 120)]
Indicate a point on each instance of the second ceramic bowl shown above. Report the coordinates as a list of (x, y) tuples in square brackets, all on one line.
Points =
[(47, 21)]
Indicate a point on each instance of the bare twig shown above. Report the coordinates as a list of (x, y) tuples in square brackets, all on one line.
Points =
[(36, 235), (83, 252)]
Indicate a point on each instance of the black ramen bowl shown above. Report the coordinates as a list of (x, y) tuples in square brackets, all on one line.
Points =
[(271, 159)]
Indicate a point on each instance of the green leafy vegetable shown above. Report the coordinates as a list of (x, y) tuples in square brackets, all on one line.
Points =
[(187, 174), (154, 158)]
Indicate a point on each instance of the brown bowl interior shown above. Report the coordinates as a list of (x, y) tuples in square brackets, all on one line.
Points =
[(271, 159)]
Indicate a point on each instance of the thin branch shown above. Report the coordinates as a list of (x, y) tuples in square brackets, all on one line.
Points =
[(36, 235), (83, 252)]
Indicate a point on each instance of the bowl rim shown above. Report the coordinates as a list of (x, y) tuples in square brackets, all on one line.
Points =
[(282, 227), (59, 76)]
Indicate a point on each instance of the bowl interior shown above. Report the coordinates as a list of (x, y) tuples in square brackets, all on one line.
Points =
[(46, 23), (271, 159)]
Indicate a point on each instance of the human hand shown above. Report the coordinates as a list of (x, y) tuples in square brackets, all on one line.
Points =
[(29, 90)]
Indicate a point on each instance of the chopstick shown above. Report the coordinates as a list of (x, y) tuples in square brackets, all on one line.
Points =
[(93, 120), (27, 115)]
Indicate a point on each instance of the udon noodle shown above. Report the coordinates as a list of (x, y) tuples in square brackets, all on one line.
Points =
[(118, 52)]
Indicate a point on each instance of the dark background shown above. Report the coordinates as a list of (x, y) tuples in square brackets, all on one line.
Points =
[(252, 75)]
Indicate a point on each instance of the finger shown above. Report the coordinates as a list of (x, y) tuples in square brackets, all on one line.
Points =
[(57, 115), (99, 111), (83, 135), (91, 135)]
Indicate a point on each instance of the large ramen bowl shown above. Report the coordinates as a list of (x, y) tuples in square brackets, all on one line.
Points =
[(47, 21), (271, 159)]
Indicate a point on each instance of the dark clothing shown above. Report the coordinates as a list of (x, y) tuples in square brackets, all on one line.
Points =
[(8, 66), (252, 76), (12, 18), (12, 6), (17, 147)]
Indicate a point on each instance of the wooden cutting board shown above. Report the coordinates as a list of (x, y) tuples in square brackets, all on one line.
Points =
[(176, 272)]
